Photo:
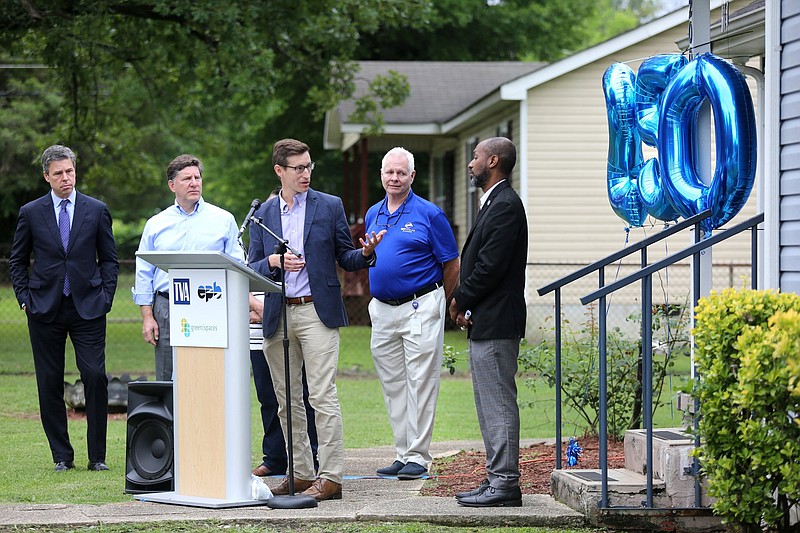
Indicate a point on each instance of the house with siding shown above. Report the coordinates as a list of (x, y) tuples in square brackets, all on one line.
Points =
[(556, 115)]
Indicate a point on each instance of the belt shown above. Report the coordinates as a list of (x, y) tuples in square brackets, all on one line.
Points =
[(299, 300), (424, 290), (163, 294)]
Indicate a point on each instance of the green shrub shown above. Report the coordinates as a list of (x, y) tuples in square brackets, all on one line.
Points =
[(746, 343)]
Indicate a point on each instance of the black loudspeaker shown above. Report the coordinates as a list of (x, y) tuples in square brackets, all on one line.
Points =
[(149, 450)]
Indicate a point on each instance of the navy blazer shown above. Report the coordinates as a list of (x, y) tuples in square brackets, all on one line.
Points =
[(90, 259), (326, 242), (492, 279)]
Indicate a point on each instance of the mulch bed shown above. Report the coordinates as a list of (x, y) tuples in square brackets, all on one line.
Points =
[(466, 470)]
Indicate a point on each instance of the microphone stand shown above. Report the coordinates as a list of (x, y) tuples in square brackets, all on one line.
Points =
[(291, 500)]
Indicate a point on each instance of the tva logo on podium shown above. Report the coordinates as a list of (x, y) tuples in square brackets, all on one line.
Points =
[(181, 291), (202, 318)]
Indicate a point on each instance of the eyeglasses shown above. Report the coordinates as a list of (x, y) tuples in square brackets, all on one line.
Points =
[(391, 218), (301, 168)]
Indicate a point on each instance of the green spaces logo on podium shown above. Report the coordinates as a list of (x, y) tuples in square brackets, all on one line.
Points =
[(199, 307)]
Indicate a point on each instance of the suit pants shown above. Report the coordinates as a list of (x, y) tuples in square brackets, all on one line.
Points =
[(48, 342), (163, 350), (317, 346), (273, 445), (408, 364), (493, 364)]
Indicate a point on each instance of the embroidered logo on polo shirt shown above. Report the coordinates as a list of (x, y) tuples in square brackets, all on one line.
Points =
[(408, 228)]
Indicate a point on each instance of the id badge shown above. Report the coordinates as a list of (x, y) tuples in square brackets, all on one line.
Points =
[(416, 325)]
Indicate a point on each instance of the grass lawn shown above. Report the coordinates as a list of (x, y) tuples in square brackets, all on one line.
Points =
[(25, 464)]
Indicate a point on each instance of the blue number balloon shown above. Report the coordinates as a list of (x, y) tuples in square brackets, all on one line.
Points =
[(660, 107), (624, 145), (708, 78)]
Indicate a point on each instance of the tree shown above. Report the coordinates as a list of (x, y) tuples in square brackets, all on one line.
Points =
[(129, 84), (507, 30), (138, 82)]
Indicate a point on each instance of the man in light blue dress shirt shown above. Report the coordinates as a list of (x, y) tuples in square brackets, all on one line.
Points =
[(189, 224)]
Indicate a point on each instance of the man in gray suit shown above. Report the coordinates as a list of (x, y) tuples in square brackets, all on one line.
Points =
[(490, 302)]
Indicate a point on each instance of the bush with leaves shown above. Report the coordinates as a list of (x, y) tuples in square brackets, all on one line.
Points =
[(747, 346)]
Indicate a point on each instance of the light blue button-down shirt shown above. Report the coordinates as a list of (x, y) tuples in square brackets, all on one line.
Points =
[(208, 228), (292, 224)]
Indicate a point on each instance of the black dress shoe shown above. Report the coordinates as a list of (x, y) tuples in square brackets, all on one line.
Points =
[(492, 497), (474, 492), (391, 470), (63, 466), (98, 466)]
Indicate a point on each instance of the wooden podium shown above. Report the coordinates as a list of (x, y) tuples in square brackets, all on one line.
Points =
[(209, 317)]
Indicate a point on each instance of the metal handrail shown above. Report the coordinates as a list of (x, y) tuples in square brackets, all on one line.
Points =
[(628, 250), (599, 267), (645, 275)]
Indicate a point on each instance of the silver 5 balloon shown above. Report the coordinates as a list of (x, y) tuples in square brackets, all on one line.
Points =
[(659, 107)]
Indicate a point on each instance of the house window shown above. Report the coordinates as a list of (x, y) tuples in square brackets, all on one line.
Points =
[(444, 185), (473, 193), (506, 130)]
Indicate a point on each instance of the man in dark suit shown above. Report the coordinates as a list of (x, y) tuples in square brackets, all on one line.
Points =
[(314, 223), (490, 302), (67, 292)]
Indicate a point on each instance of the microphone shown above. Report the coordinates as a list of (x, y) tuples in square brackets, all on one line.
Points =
[(253, 206)]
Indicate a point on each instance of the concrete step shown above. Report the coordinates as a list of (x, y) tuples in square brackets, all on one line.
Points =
[(580, 489), (671, 462), (671, 448), (627, 495)]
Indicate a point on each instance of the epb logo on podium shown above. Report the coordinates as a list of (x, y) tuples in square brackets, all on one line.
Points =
[(207, 292), (181, 291)]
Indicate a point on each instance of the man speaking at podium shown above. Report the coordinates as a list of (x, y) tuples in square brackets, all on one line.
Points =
[(190, 224), (314, 224)]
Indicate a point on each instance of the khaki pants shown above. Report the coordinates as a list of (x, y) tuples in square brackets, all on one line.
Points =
[(317, 346)]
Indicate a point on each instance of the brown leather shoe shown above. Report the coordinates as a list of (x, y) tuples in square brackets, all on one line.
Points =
[(262, 471), (324, 489), (299, 486)]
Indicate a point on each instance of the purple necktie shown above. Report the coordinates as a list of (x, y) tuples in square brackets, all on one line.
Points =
[(63, 229)]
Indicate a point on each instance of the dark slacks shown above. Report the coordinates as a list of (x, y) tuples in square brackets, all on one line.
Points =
[(273, 445), (48, 342)]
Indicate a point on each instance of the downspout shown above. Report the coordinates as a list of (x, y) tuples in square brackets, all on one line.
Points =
[(522, 164), (772, 138), (760, 132)]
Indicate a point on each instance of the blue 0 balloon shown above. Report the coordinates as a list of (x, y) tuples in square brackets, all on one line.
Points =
[(708, 78)]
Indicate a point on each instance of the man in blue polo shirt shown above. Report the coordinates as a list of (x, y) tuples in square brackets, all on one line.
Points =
[(410, 284)]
